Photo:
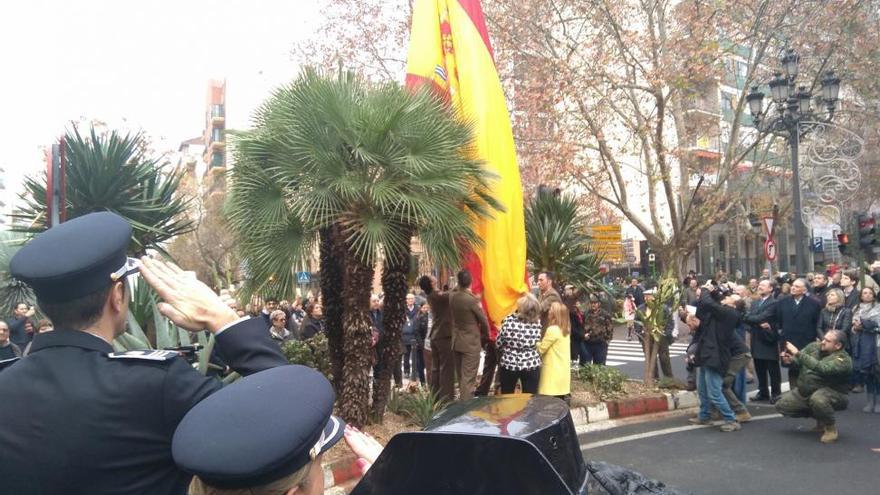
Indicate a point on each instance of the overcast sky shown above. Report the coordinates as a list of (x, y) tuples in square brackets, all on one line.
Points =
[(145, 62)]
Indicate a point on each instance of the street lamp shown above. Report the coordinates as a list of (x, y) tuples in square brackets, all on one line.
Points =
[(793, 109)]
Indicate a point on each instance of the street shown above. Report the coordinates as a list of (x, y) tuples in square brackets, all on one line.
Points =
[(771, 454)]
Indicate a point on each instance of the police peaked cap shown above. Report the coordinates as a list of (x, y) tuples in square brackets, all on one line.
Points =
[(263, 427), (76, 258)]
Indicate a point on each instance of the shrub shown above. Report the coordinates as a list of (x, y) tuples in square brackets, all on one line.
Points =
[(311, 352), (605, 381), (419, 406)]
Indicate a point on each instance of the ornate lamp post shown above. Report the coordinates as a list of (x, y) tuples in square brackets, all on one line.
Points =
[(789, 115)]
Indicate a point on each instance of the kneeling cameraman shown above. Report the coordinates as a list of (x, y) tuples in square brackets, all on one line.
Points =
[(822, 383)]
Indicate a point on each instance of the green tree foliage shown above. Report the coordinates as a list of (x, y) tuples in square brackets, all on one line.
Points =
[(367, 166), (112, 172), (556, 240)]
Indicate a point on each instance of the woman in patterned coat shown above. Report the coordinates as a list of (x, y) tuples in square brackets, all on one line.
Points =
[(517, 341)]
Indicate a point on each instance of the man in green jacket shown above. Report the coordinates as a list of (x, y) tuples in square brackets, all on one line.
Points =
[(822, 385)]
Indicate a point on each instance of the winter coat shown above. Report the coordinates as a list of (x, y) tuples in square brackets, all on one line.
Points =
[(839, 319), (765, 342), (556, 368), (717, 326), (408, 330), (798, 320), (866, 341)]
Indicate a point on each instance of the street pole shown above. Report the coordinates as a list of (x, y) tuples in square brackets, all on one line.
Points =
[(800, 255)]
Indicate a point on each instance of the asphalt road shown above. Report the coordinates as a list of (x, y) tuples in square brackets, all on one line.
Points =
[(771, 455)]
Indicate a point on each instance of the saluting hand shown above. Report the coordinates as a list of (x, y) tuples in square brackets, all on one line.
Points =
[(187, 302)]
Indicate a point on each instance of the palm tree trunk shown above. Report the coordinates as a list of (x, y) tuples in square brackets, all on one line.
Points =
[(332, 254), (354, 402), (394, 285)]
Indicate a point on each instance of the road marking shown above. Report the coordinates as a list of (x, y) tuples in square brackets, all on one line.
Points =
[(667, 431)]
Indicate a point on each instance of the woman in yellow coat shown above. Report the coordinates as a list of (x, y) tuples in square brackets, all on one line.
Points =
[(555, 350)]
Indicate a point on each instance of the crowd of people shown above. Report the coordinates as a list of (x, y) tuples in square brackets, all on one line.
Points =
[(824, 328)]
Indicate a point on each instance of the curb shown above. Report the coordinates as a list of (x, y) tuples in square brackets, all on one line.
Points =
[(625, 408), (341, 475)]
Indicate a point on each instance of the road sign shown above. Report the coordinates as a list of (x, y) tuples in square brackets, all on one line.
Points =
[(768, 227), (818, 245), (303, 278), (606, 241), (652, 258), (770, 250)]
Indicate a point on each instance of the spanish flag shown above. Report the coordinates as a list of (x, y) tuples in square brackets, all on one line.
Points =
[(449, 49)]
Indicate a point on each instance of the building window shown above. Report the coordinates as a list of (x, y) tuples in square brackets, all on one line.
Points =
[(727, 105), (217, 160), (217, 135)]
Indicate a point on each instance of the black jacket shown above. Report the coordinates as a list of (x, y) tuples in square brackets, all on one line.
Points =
[(717, 327), (765, 342), (841, 319), (88, 423), (798, 321)]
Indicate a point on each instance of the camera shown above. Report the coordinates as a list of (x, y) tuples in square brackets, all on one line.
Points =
[(719, 291)]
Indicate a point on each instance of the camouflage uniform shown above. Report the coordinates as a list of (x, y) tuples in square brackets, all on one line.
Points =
[(821, 386), (598, 326)]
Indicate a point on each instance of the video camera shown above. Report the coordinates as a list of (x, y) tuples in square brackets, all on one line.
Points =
[(719, 291)]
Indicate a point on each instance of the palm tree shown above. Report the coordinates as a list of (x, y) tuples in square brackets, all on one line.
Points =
[(367, 167), (556, 240), (113, 172), (12, 291)]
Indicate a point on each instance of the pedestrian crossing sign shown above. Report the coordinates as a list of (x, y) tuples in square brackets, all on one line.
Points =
[(303, 278)]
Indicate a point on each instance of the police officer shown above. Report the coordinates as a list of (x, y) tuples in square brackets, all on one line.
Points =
[(287, 413), (79, 418), (822, 385)]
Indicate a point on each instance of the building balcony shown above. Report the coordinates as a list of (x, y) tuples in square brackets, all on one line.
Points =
[(702, 106), (218, 145), (218, 114)]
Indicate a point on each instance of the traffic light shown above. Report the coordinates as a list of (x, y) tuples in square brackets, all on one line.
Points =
[(842, 242), (867, 232)]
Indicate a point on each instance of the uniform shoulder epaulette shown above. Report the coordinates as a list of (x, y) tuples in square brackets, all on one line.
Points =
[(145, 355)]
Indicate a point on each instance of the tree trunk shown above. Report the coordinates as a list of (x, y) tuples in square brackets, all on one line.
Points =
[(332, 254), (650, 357), (394, 285), (354, 402)]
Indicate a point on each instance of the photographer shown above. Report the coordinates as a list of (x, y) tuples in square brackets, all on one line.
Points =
[(823, 382), (719, 317)]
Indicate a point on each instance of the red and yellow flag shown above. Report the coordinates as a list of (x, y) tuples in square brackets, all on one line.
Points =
[(449, 49)]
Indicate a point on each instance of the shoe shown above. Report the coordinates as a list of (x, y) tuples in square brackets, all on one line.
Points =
[(732, 426), (775, 399), (697, 421), (761, 398), (830, 434), (858, 389), (872, 404), (743, 417)]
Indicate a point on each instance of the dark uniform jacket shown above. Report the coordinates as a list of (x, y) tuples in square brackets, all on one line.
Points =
[(470, 325), (818, 370), (765, 342), (89, 423), (798, 321)]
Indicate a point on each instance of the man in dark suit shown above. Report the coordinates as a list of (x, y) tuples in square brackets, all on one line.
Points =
[(442, 375), (101, 422), (797, 317), (763, 327), (470, 333)]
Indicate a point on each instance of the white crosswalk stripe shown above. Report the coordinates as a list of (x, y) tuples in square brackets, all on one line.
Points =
[(621, 352)]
